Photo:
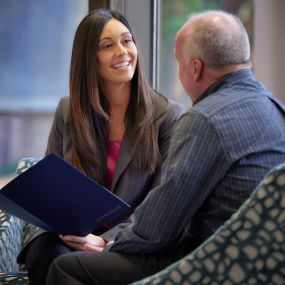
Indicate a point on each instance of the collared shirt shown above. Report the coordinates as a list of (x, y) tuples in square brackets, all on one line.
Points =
[(221, 149)]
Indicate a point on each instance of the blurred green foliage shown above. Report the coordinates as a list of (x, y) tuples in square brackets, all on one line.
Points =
[(10, 168), (175, 13)]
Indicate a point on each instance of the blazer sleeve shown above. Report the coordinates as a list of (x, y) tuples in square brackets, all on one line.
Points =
[(55, 140)]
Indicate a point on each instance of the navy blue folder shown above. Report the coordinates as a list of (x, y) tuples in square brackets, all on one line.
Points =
[(57, 197)]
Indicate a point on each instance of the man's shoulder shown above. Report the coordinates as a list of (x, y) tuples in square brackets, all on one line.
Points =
[(213, 104), (232, 100), (225, 109)]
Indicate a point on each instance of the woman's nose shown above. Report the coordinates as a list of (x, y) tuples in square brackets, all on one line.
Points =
[(121, 50)]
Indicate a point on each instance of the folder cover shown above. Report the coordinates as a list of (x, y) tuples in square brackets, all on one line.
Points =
[(57, 197)]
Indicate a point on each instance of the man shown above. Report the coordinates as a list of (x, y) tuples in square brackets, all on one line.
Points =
[(231, 137)]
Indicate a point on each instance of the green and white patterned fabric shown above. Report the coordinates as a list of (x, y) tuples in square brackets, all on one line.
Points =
[(10, 242), (249, 249), (14, 234), (18, 278)]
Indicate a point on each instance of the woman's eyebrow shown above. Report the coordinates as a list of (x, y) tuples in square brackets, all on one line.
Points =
[(110, 38)]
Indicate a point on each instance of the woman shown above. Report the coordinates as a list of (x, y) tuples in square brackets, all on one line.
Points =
[(114, 127)]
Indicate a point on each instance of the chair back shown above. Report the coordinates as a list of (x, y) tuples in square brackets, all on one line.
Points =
[(248, 249)]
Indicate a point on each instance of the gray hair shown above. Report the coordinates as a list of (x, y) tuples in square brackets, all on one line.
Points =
[(218, 43)]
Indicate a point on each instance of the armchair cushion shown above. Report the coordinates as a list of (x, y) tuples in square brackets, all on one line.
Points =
[(10, 242)]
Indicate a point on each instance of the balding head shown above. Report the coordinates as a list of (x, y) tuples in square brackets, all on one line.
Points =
[(217, 38)]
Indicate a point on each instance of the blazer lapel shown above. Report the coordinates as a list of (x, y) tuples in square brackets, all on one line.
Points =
[(124, 159), (125, 156)]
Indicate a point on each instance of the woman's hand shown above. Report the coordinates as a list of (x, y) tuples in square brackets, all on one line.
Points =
[(88, 243), (92, 248)]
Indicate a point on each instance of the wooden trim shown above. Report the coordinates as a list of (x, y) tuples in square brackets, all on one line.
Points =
[(97, 4)]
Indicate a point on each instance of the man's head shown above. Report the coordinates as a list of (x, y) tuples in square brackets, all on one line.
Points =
[(209, 45)]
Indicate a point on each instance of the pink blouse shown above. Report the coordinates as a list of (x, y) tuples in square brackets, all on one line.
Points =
[(112, 156)]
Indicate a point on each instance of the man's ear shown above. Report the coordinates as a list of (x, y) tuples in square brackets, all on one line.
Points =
[(198, 69)]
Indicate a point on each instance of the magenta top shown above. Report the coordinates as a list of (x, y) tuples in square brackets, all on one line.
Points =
[(112, 155)]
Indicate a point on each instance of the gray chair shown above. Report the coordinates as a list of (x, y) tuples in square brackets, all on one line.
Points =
[(249, 249)]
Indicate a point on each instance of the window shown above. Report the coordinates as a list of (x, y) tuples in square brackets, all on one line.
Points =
[(35, 48), (36, 38)]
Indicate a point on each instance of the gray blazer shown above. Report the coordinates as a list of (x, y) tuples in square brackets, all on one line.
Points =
[(128, 183)]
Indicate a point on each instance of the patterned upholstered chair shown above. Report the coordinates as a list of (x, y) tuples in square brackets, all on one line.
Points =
[(248, 249), (14, 233)]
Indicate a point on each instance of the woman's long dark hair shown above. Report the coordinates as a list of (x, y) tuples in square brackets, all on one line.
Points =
[(90, 109)]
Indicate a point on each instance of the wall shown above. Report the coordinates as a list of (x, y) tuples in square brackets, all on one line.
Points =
[(269, 55)]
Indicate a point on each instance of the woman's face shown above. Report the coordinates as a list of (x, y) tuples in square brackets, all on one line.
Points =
[(117, 53)]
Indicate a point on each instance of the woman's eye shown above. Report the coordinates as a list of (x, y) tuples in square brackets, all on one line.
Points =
[(126, 41), (106, 46)]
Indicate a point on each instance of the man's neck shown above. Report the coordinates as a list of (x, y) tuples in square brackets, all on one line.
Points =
[(217, 74), (213, 75), (214, 79)]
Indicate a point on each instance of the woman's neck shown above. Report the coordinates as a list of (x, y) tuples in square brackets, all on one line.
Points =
[(118, 97)]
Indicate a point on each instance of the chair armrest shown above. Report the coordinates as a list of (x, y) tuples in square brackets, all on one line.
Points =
[(14, 233), (19, 278)]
